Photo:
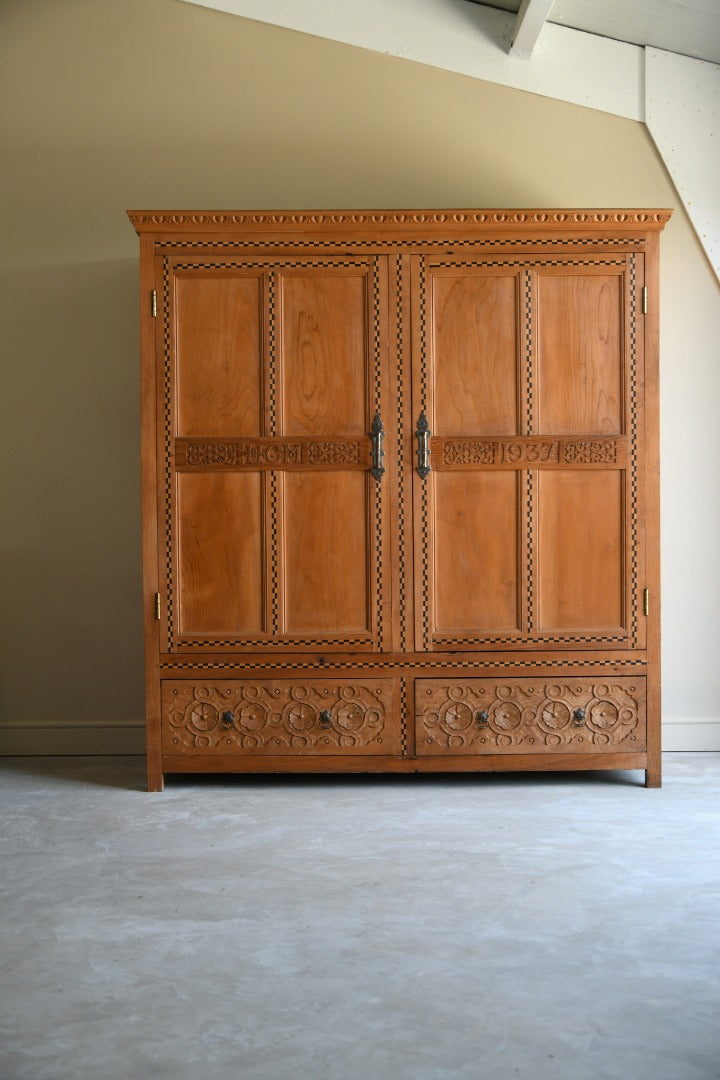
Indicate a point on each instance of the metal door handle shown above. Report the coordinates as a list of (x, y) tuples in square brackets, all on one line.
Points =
[(423, 450), (377, 434)]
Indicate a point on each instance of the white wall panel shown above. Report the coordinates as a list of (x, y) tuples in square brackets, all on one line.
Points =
[(682, 102)]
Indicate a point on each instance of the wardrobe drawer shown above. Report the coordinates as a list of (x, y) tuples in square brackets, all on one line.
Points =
[(316, 716), (490, 716)]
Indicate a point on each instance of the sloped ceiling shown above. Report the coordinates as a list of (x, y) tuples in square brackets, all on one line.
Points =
[(655, 61), (688, 27)]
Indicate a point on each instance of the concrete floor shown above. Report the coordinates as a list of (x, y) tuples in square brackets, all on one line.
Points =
[(491, 928)]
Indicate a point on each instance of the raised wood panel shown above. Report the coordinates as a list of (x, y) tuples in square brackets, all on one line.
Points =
[(218, 353), (580, 361), (475, 554), (325, 354), (474, 353), (581, 549), (221, 569), (325, 562)]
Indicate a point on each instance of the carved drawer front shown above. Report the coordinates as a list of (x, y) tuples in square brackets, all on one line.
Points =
[(484, 716), (317, 716)]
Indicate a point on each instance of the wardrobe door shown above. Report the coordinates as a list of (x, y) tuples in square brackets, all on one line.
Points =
[(529, 433), (276, 505)]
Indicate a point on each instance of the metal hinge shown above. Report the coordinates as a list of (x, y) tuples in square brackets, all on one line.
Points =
[(646, 601), (157, 606), (644, 300), (154, 304)]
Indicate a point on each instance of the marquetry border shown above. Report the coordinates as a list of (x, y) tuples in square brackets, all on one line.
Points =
[(480, 244), (400, 463), (407, 667), (633, 458)]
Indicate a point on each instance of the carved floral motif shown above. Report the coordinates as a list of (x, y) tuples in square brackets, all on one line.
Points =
[(526, 715), (278, 718), (265, 453), (589, 452), (329, 453), (212, 454), (467, 452)]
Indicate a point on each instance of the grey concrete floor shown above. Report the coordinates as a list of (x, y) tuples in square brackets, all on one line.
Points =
[(413, 928)]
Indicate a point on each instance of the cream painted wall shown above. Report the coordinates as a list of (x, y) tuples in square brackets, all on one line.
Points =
[(109, 106)]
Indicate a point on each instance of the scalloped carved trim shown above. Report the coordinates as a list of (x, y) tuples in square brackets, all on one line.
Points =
[(209, 218)]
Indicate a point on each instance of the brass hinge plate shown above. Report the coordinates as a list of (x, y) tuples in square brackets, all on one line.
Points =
[(644, 300), (646, 601), (157, 606), (153, 304)]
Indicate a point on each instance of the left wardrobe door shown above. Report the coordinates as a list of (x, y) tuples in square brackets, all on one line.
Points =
[(272, 506)]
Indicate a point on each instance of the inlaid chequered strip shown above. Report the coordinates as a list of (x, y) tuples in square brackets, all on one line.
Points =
[(633, 458), (272, 390), (377, 485), (414, 243), (538, 260), (167, 422), (528, 328), (546, 639), (403, 718), (400, 448), (530, 430), (286, 664), (424, 490), (272, 365), (274, 584), (207, 645)]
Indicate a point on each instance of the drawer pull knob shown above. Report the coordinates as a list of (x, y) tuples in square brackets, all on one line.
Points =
[(227, 719), (578, 718), (325, 718), (483, 717)]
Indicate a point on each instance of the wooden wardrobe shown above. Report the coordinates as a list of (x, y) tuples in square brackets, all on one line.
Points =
[(400, 490)]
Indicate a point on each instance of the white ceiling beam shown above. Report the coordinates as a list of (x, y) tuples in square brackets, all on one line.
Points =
[(531, 18)]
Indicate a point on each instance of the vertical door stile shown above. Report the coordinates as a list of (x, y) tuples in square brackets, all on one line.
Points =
[(634, 430), (166, 427), (529, 478), (378, 519), (421, 486), (272, 480)]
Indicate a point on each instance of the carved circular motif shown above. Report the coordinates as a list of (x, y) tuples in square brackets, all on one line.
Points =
[(203, 717), (300, 717), (507, 717), (253, 718), (456, 718), (603, 715), (554, 716), (351, 717)]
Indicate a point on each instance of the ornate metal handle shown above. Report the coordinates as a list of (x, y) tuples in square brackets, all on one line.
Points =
[(482, 717), (578, 718), (377, 434), (227, 719), (423, 451), (325, 718)]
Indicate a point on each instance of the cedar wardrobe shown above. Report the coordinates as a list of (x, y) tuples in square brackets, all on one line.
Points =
[(400, 490)]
